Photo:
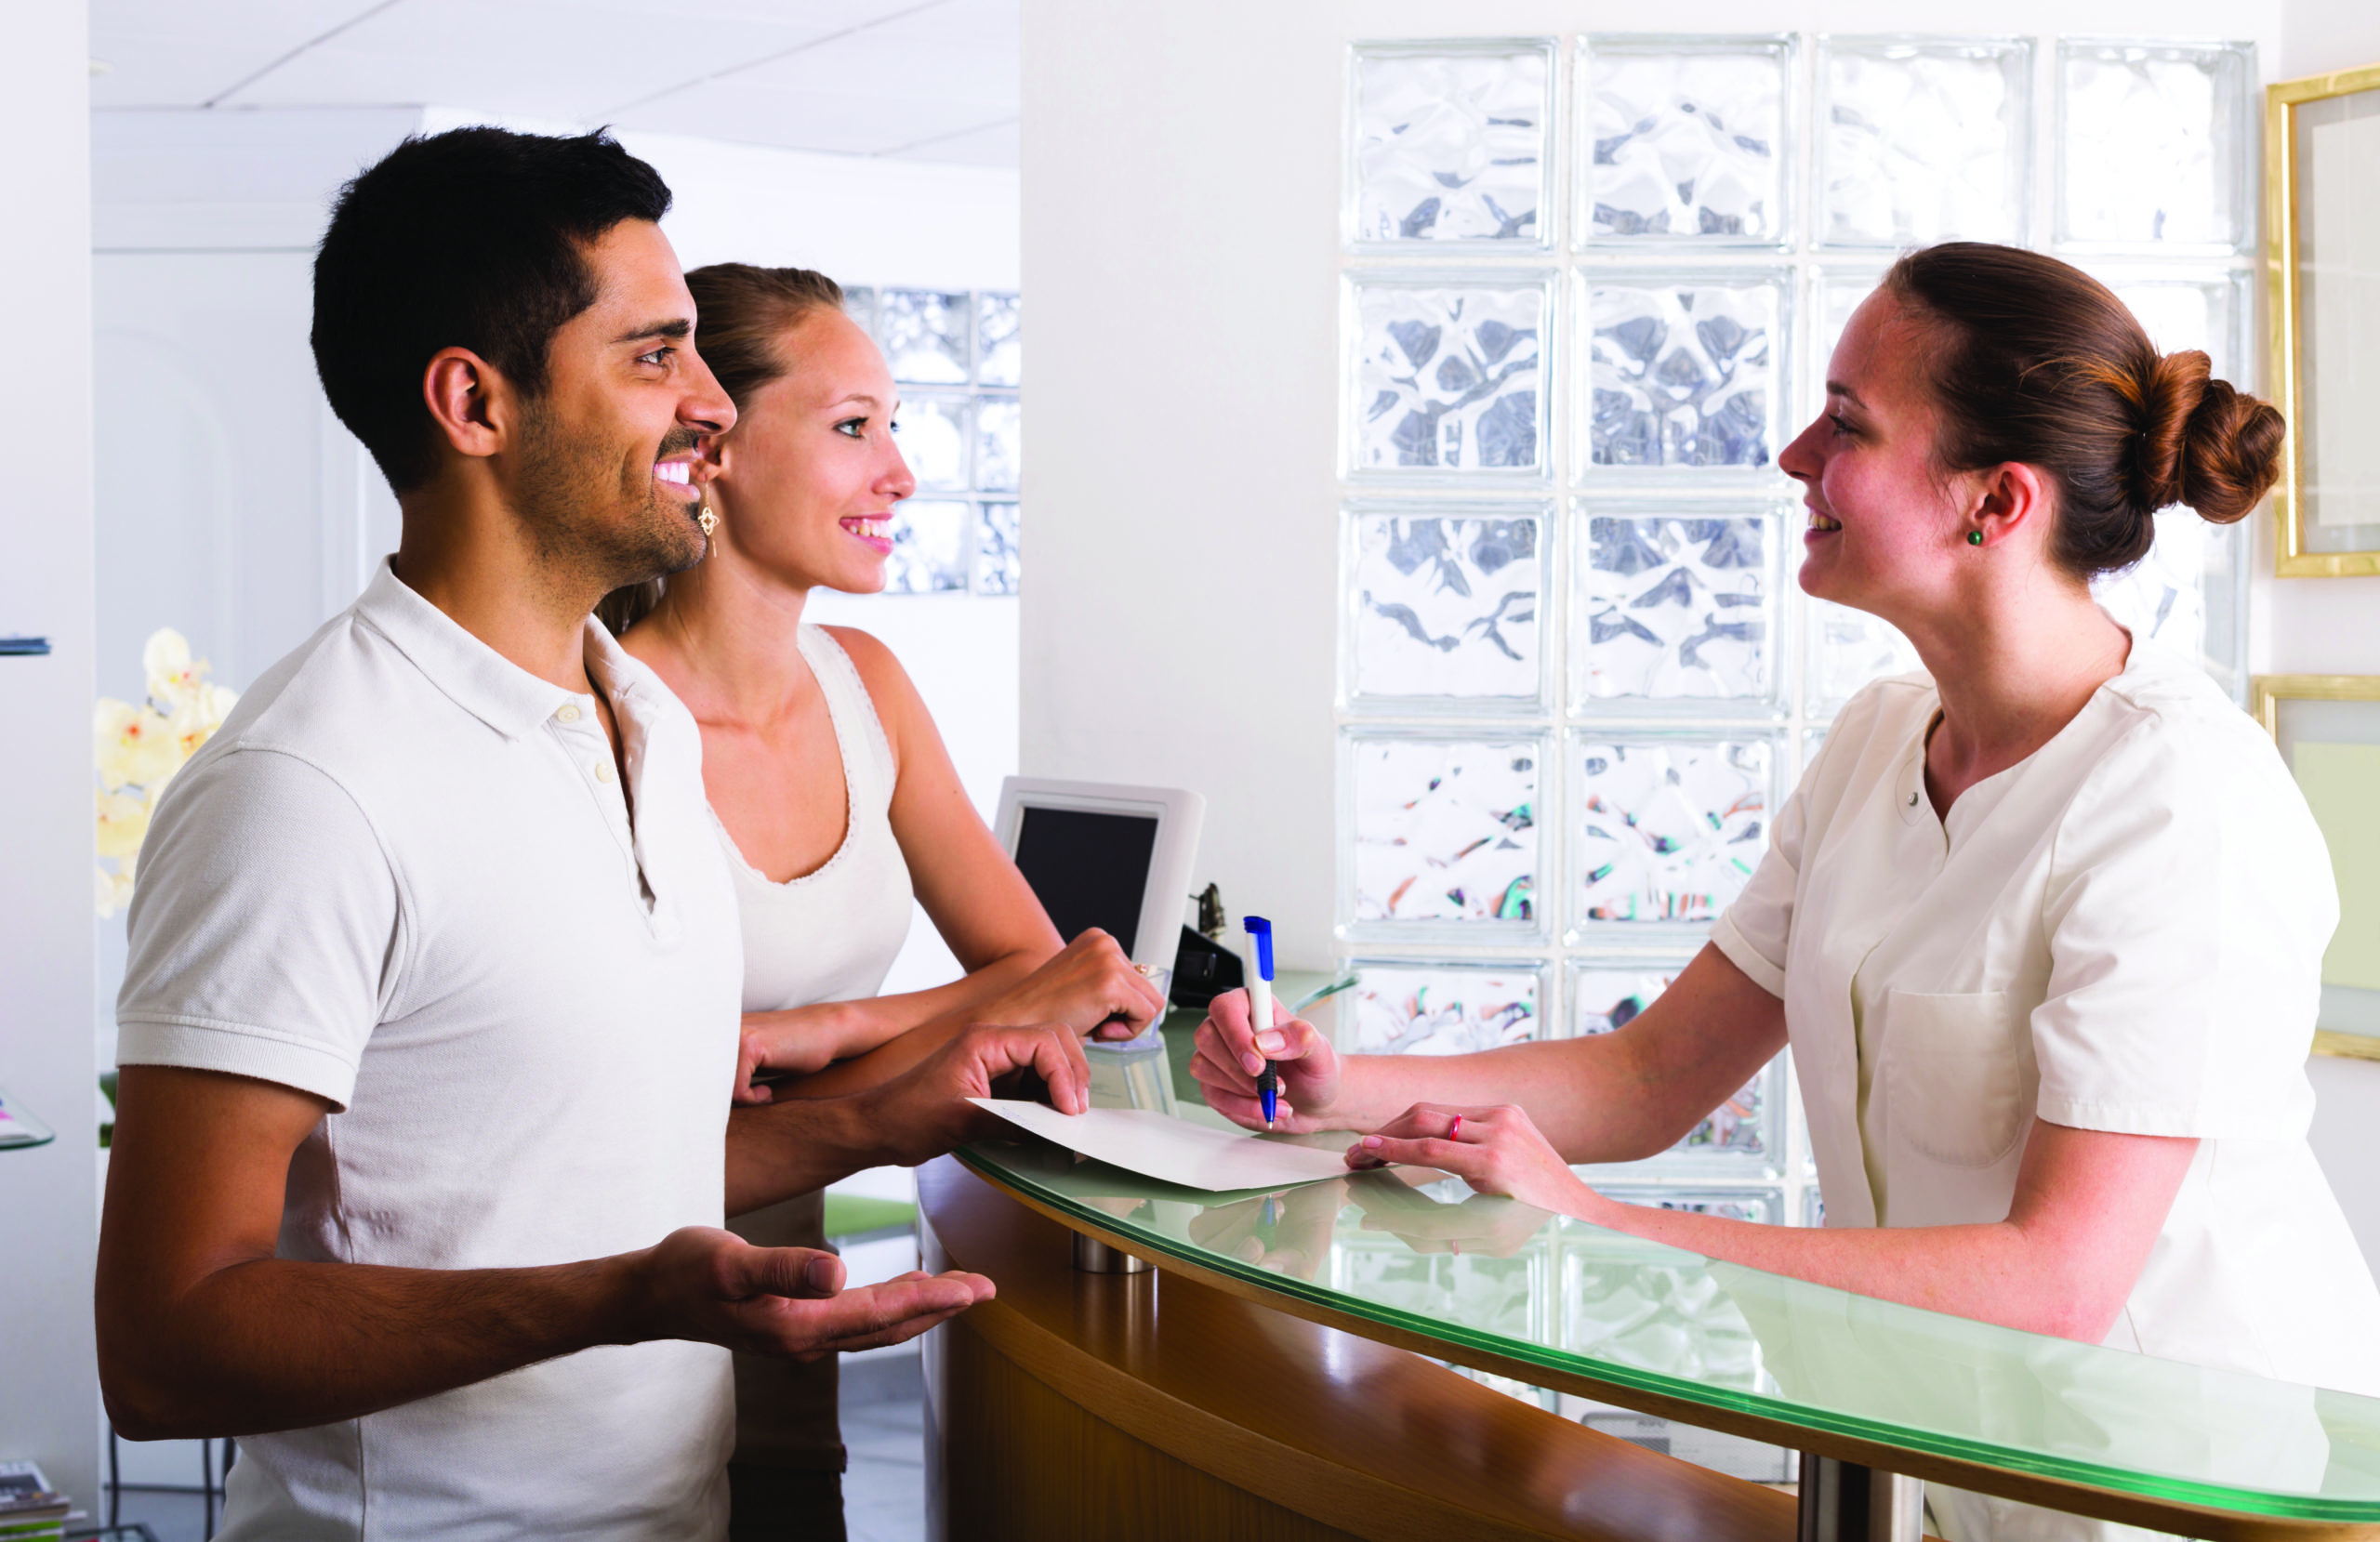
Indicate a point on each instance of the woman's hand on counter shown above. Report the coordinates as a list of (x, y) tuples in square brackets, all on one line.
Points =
[(714, 1287), (1231, 1054), (1496, 1151), (1092, 987)]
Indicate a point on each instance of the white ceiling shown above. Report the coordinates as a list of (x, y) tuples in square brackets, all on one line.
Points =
[(924, 80)]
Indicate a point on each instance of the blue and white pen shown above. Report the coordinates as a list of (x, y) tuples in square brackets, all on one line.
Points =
[(1259, 1009)]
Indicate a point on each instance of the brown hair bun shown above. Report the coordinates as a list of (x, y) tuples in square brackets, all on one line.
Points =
[(2030, 359), (2229, 451)]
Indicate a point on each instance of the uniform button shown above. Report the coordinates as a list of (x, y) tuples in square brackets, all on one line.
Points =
[(569, 714), (603, 771), (1913, 800)]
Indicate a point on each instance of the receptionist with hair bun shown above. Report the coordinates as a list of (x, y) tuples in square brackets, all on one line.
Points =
[(2043, 924)]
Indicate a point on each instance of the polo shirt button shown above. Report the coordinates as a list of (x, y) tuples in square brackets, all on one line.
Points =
[(569, 713), (603, 770), (1913, 800)]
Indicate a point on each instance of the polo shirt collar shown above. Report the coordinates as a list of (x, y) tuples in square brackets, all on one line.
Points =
[(483, 681)]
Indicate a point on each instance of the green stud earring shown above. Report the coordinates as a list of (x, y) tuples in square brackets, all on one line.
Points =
[(1974, 537)]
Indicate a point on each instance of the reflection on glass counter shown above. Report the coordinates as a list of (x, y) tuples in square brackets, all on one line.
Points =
[(1600, 1316)]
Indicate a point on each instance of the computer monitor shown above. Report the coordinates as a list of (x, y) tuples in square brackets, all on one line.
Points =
[(1101, 855)]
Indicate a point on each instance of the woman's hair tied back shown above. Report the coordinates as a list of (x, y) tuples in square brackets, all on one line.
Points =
[(2035, 362)]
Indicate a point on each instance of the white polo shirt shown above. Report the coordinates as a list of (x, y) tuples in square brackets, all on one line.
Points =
[(404, 878)]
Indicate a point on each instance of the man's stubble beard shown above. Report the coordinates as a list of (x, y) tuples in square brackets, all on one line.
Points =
[(597, 528)]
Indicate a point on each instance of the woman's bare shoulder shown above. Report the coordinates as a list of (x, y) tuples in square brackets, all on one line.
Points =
[(890, 690), (877, 665)]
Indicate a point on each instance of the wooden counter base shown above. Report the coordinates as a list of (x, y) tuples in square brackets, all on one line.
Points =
[(1057, 1411)]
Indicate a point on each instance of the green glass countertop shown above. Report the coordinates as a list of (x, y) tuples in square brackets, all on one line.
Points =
[(1428, 1257)]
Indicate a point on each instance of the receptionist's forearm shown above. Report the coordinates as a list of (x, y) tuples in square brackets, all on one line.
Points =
[(1585, 1094), (2089, 1205), (1615, 1097)]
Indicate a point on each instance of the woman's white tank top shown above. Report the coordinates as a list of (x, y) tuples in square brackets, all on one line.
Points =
[(830, 935)]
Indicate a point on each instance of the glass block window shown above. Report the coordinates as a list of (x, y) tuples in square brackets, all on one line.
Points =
[(958, 357), (1445, 607), (2154, 149), (1445, 836), (1445, 378), (1449, 144), (1683, 371), (1675, 608), (1589, 287), (1686, 141), (1403, 1008), (1922, 142)]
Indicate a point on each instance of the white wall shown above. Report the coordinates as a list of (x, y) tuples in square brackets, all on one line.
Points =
[(49, 1387), (2331, 626)]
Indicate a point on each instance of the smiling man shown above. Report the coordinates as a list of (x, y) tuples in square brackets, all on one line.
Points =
[(430, 1023)]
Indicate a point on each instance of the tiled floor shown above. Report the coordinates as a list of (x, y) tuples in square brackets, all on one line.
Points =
[(884, 1429)]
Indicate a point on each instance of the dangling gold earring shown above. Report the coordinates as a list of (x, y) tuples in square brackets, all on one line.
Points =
[(708, 521)]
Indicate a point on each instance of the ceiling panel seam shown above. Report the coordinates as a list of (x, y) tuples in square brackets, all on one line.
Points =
[(954, 134), (353, 22), (766, 59)]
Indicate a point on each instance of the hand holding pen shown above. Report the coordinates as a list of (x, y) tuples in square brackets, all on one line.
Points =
[(1230, 1062)]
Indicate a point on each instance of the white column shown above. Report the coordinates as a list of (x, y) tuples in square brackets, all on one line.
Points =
[(49, 1211)]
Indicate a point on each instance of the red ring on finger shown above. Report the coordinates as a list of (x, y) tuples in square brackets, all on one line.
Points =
[(1455, 1130)]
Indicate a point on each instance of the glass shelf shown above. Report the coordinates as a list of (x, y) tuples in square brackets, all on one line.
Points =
[(1579, 1308)]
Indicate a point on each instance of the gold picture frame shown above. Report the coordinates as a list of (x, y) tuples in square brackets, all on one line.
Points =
[(2350, 1024), (2299, 555)]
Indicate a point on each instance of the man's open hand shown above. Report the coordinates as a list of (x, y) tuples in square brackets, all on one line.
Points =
[(713, 1287)]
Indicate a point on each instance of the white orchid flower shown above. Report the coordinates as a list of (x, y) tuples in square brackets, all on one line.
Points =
[(124, 820), (198, 714), (135, 744), (113, 890), (174, 675)]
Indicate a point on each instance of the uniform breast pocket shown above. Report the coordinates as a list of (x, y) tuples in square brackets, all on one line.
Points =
[(1955, 1068)]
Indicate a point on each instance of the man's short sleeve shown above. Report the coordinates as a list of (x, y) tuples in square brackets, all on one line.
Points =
[(265, 927)]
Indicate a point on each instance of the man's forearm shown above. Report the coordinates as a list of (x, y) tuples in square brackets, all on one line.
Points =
[(795, 1145), (276, 1344)]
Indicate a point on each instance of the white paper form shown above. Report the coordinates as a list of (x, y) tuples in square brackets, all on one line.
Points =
[(1173, 1151)]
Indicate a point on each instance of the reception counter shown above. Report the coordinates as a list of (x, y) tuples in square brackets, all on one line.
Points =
[(1275, 1376)]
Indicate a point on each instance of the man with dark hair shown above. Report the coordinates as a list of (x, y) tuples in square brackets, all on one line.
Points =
[(430, 1023)]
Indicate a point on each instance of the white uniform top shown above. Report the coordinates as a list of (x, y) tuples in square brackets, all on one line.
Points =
[(403, 877), (830, 935), (2122, 932)]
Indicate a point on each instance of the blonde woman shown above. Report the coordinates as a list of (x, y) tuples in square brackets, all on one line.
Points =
[(835, 799)]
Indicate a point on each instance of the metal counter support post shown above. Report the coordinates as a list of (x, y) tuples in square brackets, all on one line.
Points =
[(1845, 1502), (1094, 1257)]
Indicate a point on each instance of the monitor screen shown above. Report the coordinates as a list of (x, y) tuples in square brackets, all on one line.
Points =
[(1088, 868)]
